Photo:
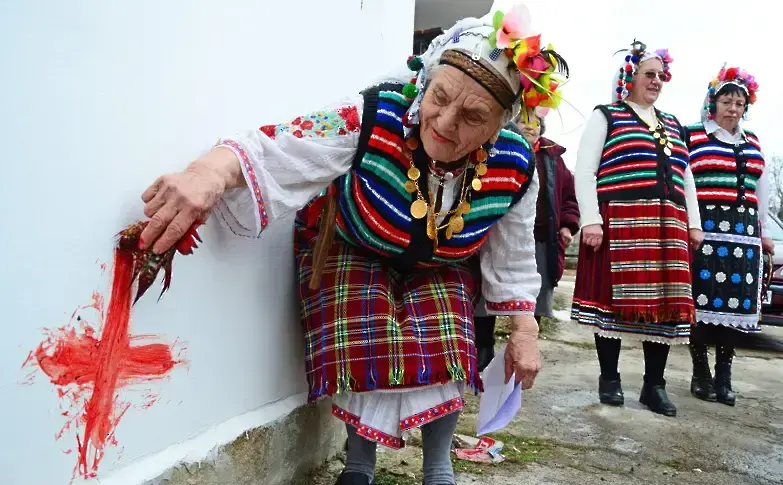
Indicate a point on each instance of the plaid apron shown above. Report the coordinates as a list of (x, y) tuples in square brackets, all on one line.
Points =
[(369, 327)]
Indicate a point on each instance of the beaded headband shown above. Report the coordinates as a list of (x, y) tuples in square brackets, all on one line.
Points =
[(482, 74)]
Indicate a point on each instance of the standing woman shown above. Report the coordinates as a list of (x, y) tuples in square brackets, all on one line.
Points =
[(733, 192), (633, 186)]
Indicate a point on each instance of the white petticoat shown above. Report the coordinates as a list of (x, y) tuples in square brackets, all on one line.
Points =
[(386, 416)]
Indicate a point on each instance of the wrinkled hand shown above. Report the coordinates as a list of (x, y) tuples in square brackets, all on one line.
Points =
[(697, 237), (593, 236), (768, 245), (565, 235), (175, 201), (523, 359)]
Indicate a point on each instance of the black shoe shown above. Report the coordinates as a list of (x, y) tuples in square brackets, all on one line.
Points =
[(701, 383), (484, 356), (723, 390), (610, 392), (353, 478), (655, 398)]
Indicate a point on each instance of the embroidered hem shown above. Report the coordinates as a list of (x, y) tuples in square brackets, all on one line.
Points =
[(634, 337), (742, 323), (512, 307), (430, 415), (367, 432), (250, 175)]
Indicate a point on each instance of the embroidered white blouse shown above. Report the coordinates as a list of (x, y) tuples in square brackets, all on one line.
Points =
[(588, 159), (286, 171)]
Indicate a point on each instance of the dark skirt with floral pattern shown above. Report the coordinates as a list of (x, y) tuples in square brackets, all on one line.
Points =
[(727, 270)]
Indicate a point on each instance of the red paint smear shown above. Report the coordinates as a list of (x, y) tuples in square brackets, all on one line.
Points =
[(88, 371)]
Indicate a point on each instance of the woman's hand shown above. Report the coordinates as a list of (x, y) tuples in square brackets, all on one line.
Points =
[(697, 237), (176, 200), (768, 245), (523, 359), (593, 236), (565, 235)]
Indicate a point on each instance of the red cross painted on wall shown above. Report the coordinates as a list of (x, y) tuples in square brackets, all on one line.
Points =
[(92, 370)]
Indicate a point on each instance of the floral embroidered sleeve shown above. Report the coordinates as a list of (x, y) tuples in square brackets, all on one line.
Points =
[(510, 281), (287, 164)]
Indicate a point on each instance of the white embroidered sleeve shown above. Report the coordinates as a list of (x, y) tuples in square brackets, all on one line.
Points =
[(691, 200), (510, 280), (588, 159), (286, 165)]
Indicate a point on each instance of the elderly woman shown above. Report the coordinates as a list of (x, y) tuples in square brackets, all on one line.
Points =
[(637, 202), (733, 192), (557, 221), (423, 198)]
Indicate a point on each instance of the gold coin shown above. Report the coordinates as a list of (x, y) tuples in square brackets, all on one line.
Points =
[(410, 186), (464, 208), (481, 169), (419, 209), (662, 141), (413, 173), (449, 232), (476, 184), (667, 151), (656, 135), (457, 224)]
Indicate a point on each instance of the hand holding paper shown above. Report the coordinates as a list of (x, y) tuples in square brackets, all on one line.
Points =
[(501, 399)]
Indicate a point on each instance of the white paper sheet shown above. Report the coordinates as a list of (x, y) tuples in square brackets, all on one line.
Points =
[(499, 401)]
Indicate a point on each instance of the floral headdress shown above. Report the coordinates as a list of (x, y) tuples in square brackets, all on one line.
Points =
[(505, 57), (732, 75), (541, 72), (637, 54)]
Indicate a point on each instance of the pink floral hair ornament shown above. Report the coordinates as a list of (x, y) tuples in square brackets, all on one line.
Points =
[(637, 54), (732, 75)]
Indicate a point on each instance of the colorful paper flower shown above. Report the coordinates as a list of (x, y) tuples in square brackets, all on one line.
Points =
[(510, 27)]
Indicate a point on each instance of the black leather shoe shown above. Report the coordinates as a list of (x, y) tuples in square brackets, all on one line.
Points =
[(353, 478), (484, 356), (610, 392), (656, 399)]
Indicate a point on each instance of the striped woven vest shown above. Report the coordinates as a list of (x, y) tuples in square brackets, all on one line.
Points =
[(724, 172), (374, 207), (633, 165)]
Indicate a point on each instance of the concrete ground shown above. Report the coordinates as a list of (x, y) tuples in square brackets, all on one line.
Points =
[(563, 436)]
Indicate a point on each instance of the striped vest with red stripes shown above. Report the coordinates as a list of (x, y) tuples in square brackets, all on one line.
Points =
[(633, 164), (724, 172), (374, 207)]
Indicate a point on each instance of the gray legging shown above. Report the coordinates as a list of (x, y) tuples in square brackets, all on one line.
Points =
[(436, 443)]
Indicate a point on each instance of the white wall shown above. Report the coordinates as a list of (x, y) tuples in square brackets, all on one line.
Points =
[(98, 99)]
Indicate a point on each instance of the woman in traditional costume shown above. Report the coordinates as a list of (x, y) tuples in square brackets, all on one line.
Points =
[(733, 191), (424, 199), (638, 213)]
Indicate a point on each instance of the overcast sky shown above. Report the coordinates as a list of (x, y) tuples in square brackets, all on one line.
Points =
[(701, 36)]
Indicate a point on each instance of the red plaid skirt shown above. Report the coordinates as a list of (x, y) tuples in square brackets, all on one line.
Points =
[(370, 327), (639, 280)]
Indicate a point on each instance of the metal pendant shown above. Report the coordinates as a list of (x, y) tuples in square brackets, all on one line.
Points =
[(481, 169), (410, 186), (476, 184), (414, 173), (419, 209), (667, 151), (456, 224)]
